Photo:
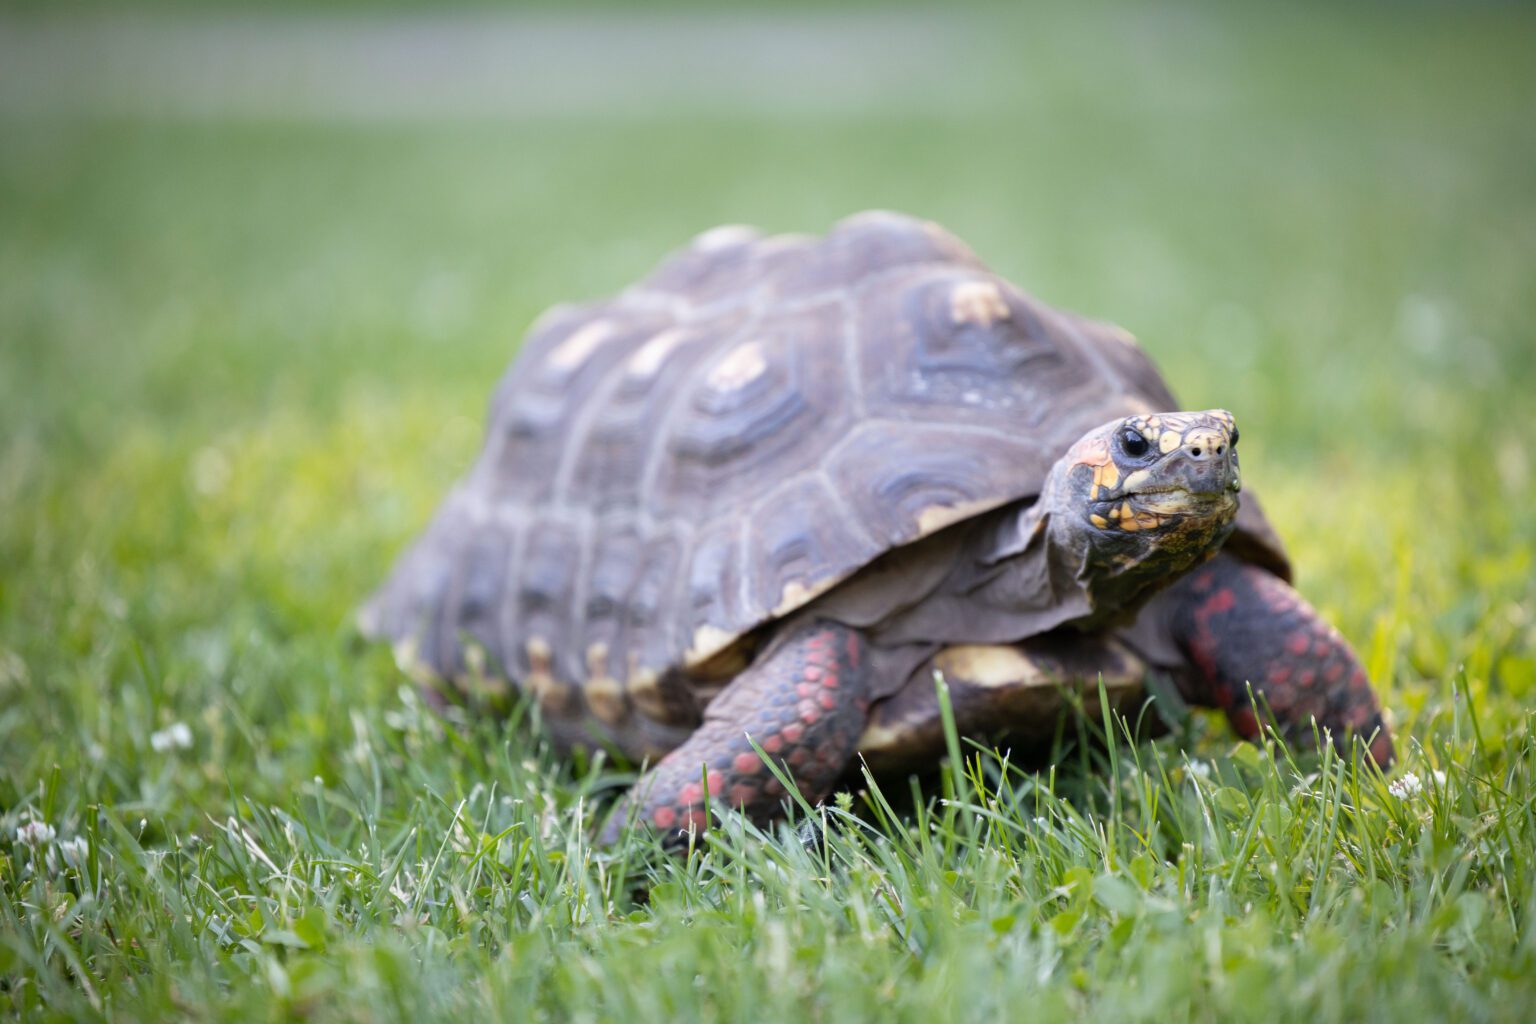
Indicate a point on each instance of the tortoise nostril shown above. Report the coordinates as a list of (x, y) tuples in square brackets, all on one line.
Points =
[(1195, 452)]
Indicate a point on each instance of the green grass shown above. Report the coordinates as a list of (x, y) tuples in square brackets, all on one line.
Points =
[(239, 363)]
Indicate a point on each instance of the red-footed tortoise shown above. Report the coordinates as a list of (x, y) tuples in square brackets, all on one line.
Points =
[(766, 491)]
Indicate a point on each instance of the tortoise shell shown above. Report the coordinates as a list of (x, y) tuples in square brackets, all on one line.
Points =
[(669, 470)]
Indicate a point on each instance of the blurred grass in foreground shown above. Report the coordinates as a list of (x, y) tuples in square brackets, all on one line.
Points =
[(239, 363)]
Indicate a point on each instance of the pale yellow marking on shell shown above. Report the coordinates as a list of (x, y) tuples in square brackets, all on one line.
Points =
[(604, 694), (988, 665), (935, 517), (797, 595), (724, 236), (648, 358), (1109, 475), (1099, 521), (881, 737), (708, 641), (409, 661), (740, 367), (977, 302), (578, 348), (1134, 481), (1169, 441), (644, 686), (547, 690)]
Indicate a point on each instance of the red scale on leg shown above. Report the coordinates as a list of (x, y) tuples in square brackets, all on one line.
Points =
[(807, 701), (1238, 623)]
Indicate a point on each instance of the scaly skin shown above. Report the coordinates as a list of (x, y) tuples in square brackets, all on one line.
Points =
[(1243, 627), (805, 705)]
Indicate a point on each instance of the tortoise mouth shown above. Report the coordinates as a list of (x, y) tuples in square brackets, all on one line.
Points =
[(1172, 499), (1167, 499)]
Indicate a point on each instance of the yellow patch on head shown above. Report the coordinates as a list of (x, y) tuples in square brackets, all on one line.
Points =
[(977, 302), (1129, 525), (1109, 475), (1099, 521), (1134, 481), (1169, 441)]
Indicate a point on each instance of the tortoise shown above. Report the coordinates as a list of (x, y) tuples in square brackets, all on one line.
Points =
[(751, 504)]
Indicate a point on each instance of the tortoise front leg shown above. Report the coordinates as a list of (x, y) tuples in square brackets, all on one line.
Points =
[(1243, 628), (805, 704)]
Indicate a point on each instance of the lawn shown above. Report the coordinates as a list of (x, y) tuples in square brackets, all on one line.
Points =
[(242, 357)]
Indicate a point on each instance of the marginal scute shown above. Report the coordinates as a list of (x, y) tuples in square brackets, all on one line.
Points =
[(648, 358), (575, 350), (801, 535)]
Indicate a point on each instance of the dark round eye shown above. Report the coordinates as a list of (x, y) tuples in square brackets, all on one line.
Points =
[(1133, 443), (1234, 437)]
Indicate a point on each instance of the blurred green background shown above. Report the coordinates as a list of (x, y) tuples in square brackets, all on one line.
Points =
[(259, 269)]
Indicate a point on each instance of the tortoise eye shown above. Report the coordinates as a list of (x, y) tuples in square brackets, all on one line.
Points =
[(1133, 443), (1234, 437)]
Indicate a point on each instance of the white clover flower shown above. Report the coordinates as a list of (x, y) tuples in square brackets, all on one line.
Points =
[(75, 851), (35, 833), (173, 737), (1406, 787), (1199, 769)]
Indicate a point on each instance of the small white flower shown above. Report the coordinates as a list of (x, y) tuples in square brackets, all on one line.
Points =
[(173, 737), (1407, 786), (1199, 769), (75, 851), (35, 833), (1439, 777)]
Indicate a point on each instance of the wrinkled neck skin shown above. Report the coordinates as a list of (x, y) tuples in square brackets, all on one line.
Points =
[(1101, 578)]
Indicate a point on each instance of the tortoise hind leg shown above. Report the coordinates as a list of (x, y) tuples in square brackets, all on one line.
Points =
[(1243, 628), (804, 703)]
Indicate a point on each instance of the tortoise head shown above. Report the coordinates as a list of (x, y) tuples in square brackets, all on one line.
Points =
[(1144, 499)]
